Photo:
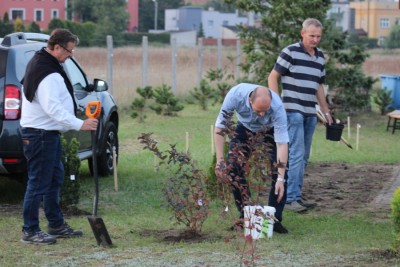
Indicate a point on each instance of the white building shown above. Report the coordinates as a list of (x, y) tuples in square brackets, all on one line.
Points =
[(194, 18)]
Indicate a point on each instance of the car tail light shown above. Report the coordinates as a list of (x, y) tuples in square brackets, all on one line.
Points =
[(11, 160), (12, 103)]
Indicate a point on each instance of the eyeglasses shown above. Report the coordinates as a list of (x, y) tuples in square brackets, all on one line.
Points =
[(66, 49)]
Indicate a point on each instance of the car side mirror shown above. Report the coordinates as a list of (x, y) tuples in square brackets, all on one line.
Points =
[(100, 85)]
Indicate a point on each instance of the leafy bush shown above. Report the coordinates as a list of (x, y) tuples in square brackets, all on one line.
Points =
[(185, 189), (6, 27), (393, 40), (216, 189), (85, 31), (383, 100), (395, 205), (69, 197), (354, 39), (258, 171)]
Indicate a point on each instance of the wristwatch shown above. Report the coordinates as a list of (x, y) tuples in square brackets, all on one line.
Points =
[(280, 179)]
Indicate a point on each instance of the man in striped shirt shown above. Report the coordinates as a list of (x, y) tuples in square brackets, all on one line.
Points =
[(301, 69)]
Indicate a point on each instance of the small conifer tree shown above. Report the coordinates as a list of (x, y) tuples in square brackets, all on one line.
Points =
[(70, 190)]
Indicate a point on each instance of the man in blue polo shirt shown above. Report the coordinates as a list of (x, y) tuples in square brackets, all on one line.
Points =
[(256, 107), (301, 68)]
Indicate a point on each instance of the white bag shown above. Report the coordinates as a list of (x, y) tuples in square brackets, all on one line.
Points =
[(259, 221)]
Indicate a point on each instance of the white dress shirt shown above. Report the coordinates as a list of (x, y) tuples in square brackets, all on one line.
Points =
[(51, 108)]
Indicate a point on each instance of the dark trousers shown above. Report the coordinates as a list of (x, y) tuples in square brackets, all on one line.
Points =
[(42, 150), (239, 184)]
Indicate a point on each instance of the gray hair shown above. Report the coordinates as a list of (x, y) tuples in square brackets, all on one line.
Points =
[(311, 22)]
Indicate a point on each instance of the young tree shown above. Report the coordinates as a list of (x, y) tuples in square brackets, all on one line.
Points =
[(281, 22), (280, 25), (5, 26), (112, 18), (82, 9), (19, 25), (393, 40), (55, 23), (34, 27)]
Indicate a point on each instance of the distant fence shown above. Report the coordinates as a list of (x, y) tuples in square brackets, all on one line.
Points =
[(189, 63)]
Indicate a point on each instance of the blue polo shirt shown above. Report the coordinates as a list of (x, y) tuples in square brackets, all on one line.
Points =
[(237, 99)]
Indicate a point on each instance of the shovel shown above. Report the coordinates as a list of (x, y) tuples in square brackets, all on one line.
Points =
[(93, 110)]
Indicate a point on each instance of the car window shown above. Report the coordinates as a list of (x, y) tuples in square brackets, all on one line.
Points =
[(76, 76), (3, 61), (21, 61)]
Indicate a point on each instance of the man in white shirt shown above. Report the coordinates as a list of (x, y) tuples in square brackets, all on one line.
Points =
[(48, 108)]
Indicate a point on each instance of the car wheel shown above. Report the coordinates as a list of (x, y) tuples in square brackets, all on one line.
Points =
[(105, 165)]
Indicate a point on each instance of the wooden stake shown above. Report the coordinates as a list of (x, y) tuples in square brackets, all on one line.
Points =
[(155, 164), (358, 136), (115, 169), (348, 127), (187, 142), (212, 139)]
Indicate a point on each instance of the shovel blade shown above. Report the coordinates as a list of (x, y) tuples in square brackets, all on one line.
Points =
[(100, 231)]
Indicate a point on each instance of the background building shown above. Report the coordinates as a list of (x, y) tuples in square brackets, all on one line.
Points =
[(376, 17), (211, 22), (40, 12), (343, 15)]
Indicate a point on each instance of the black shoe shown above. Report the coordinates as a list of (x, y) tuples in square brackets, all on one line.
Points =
[(64, 231), (279, 228), (38, 237)]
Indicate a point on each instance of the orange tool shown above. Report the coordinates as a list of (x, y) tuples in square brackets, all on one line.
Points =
[(93, 109)]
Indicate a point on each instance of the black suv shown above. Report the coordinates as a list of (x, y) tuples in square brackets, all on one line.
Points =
[(16, 50)]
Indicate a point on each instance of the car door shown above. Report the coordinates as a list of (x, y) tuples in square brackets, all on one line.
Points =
[(83, 95)]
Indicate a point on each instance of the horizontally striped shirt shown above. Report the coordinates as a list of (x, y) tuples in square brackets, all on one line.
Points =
[(301, 76)]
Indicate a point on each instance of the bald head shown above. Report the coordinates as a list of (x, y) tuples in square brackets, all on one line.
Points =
[(260, 100)]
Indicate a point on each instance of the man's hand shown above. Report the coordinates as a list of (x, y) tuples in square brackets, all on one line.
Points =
[(220, 172), (89, 125), (279, 190), (328, 118)]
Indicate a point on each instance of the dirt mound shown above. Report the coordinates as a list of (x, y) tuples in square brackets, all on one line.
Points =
[(349, 188)]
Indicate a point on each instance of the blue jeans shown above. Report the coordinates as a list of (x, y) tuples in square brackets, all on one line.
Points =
[(42, 150), (301, 129)]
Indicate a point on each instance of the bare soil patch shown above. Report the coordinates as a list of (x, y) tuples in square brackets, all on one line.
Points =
[(345, 188)]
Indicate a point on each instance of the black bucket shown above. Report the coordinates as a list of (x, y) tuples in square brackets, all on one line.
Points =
[(334, 131)]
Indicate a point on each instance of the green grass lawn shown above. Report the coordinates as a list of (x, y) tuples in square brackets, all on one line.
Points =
[(138, 220)]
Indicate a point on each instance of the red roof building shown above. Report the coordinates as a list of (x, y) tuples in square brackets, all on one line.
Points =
[(39, 11), (133, 9), (43, 11)]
